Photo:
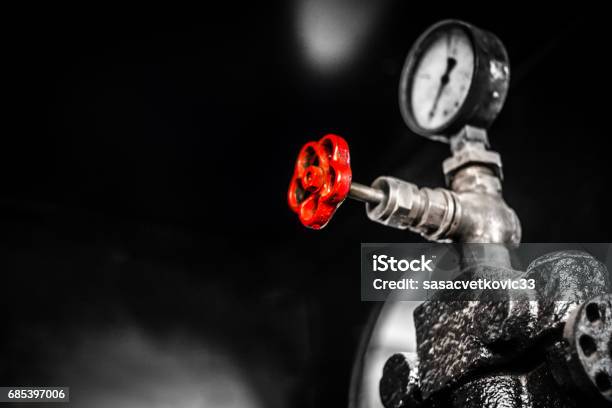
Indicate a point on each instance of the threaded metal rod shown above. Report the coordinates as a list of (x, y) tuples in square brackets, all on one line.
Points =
[(366, 194)]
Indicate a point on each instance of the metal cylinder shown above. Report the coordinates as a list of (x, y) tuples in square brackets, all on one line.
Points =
[(366, 194), (429, 212), (399, 208)]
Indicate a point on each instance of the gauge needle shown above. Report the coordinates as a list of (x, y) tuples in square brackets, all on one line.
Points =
[(450, 64)]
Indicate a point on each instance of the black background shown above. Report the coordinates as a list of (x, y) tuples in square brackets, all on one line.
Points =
[(146, 155)]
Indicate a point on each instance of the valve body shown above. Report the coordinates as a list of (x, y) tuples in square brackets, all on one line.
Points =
[(472, 210)]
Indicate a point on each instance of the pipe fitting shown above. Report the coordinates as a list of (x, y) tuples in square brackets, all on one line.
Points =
[(399, 208), (474, 211), (429, 212)]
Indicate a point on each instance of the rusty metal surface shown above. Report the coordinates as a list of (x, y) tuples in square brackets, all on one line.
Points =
[(467, 345), (535, 389)]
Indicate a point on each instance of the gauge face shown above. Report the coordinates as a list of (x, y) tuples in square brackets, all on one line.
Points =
[(455, 75), (442, 78)]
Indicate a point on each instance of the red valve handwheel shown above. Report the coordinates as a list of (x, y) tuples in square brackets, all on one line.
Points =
[(321, 180)]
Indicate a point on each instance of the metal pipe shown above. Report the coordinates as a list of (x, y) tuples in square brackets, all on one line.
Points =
[(366, 194)]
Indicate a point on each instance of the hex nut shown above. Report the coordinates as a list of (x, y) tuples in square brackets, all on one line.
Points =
[(399, 208)]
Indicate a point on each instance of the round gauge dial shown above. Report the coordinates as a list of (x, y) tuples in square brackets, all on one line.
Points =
[(455, 75), (442, 78)]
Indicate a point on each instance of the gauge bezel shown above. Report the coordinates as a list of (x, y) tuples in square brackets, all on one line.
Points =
[(488, 86)]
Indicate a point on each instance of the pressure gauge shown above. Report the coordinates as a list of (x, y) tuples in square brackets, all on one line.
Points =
[(455, 75)]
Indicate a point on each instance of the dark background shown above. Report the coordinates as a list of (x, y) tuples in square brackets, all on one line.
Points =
[(145, 159)]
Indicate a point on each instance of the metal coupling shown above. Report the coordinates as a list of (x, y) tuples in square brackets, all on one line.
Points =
[(469, 148), (429, 212)]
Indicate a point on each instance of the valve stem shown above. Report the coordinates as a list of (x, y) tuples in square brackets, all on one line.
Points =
[(366, 194)]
